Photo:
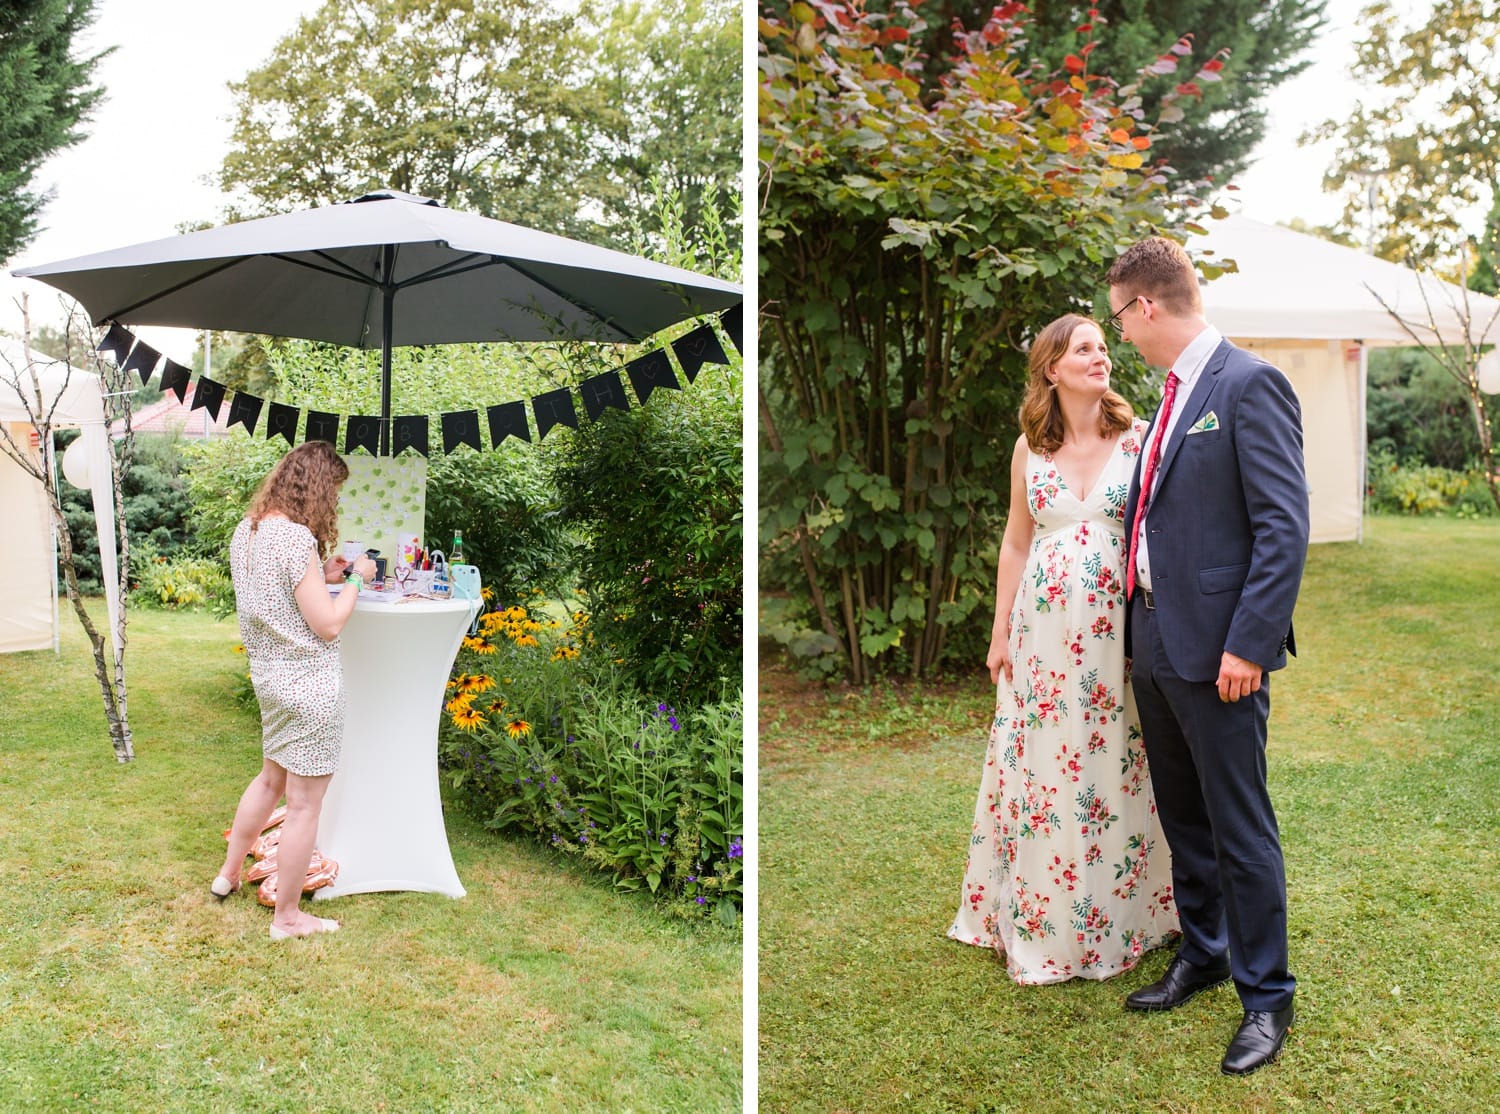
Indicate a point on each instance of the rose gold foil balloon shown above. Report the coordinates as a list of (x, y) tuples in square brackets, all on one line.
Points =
[(320, 872), (266, 844)]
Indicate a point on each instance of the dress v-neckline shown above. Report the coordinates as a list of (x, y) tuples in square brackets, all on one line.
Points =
[(1063, 480)]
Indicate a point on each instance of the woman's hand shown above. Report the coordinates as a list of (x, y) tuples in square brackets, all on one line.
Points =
[(999, 658), (334, 568), (363, 566)]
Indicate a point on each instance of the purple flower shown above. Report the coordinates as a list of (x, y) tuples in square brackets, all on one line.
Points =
[(735, 848), (554, 779), (692, 878), (570, 738), (583, 838), (662, 841), (701, 900)]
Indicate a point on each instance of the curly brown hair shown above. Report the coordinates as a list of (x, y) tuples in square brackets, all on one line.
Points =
[(1161, 270), (1041, 417), (304, 486)]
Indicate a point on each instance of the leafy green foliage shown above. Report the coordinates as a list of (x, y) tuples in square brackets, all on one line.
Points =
[(1418, 414), (522, 112), (181, 583), (1426, 489), (913, 236), (1428, 124), (1266, 43), (507, 508), (658, 495), (544, 736), (47, 93), (158, 510), (222, 474)]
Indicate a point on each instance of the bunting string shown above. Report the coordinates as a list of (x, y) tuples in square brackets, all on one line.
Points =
[(549, 409)]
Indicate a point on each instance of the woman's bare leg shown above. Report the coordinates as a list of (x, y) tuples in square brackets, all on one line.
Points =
[(304, 802), (256, 805)]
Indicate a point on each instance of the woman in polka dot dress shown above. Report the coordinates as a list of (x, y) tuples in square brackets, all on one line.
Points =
[(290, 625)]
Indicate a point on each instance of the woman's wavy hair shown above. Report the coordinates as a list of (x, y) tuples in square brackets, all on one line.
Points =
[(1041, 417), (304, 486)]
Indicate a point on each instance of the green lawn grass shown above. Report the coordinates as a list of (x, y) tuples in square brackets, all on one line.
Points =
[(124, 986), (1385, 770)]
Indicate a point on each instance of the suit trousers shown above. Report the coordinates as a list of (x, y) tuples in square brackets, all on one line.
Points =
[(1208, 770)]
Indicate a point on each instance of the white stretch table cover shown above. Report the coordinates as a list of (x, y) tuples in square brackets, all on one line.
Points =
[(382, 818)]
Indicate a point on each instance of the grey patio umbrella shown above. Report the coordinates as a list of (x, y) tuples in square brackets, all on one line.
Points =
[(386, 269)]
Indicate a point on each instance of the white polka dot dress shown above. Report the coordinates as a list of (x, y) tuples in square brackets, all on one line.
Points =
[(298, 678)]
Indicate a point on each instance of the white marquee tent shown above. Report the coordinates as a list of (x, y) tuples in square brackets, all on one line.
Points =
[(1307, 306), (28, 591)]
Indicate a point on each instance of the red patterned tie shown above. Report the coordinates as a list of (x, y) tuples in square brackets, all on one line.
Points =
[(1148, 476)]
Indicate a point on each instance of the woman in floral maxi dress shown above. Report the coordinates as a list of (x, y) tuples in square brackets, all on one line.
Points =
[(1068, 873)]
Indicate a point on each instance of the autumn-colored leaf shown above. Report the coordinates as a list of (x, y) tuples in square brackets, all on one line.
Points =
[(1084, 28), (1125, 162), (1119, 135), (1140, 142), (1087, 49), (803, 13), (895, 35), (1190, 89), (1073, 63), (1183, 46), (1213, 66)]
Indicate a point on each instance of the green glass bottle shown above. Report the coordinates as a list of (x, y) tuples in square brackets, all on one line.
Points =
[(456, 554)]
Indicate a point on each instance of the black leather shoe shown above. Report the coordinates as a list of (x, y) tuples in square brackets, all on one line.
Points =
[(1182, 983), (1258, 1040)]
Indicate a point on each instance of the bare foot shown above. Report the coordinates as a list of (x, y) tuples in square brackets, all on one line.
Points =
[(303, 925)]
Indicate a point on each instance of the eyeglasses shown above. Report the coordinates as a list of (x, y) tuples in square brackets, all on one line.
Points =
[(1114, 318)]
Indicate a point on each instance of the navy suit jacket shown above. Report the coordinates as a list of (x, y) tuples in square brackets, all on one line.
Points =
[(1229, 523)]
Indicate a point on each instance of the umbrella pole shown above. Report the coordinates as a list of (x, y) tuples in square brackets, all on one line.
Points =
[(388, 297)]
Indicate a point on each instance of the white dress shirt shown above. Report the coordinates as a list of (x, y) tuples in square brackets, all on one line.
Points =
[(1187, 368)]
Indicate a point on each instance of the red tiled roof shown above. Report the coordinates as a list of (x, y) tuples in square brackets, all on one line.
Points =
[(167, 415)]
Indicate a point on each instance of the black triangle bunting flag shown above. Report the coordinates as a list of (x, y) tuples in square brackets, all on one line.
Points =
[(651, 371), (322, 427), (208, 395), (508, 420), (461, 428), (244, 409), (142, 360), (362, 432), (409, 432), (554, 408), (600, 392), (733, 321), (699, 347), (175, 378), (117, 342), (282, 422)]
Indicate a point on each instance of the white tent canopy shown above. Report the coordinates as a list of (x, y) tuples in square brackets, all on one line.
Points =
[(28, 591), (1311, 308)]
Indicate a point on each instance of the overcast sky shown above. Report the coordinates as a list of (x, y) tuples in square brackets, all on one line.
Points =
[(164, 129)]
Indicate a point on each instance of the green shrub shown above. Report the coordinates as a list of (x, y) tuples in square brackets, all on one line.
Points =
[(658, 495), (507, 508), (180, 583), (156, 501), (542, 737), (222, 475), (1425, 489)]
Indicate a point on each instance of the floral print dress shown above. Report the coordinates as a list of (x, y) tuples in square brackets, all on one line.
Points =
[(1068, 872)]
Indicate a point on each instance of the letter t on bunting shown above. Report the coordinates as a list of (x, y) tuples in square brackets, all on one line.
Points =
[(554, 408), (322, 427)]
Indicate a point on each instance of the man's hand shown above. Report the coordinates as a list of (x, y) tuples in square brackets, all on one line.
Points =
[(1237, 677)]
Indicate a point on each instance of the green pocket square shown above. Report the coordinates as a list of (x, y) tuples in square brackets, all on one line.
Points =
[(1204, 424)]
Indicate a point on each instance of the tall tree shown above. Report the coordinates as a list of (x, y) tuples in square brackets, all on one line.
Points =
[(672, 67), (509, 108), (47, 94), (1266, 42), (1428, 127)]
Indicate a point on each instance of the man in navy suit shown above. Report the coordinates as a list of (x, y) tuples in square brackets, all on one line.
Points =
[(1216, 529)]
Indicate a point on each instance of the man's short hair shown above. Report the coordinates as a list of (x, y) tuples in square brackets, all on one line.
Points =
[(1161, 270)]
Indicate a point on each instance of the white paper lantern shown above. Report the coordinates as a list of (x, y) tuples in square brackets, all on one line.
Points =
[(75, 464), (1489, 372)]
